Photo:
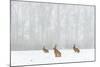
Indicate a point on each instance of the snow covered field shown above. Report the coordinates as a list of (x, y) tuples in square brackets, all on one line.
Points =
[(39, 57)]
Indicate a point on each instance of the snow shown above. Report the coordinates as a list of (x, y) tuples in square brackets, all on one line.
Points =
[(34, 57)]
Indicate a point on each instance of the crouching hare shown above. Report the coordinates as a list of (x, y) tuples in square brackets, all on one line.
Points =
[(76, 49), (45, 50), (56, 52)]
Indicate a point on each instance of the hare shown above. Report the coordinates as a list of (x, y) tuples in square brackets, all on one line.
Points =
[(76, 49), (56, 52), (45, 50)]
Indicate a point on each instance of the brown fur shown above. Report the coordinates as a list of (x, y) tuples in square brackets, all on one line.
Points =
[(57, 52), (45, 50), (76, 49)]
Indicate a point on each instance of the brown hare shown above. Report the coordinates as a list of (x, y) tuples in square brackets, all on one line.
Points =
[(56, 52), (45, 50), (76, 49)]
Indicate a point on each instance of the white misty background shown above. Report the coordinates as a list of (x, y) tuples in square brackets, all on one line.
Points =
[(36, 24)]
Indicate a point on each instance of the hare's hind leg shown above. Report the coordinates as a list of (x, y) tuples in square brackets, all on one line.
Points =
[(55, 53), (58, 54)]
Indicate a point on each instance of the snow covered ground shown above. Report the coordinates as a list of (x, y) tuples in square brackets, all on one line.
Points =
[(39, 57)]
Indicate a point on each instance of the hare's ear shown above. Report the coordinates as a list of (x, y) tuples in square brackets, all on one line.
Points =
[(74, 46), (55, 46), (43, 46)]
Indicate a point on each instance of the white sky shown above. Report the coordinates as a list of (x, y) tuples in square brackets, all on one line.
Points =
[(36, 24)]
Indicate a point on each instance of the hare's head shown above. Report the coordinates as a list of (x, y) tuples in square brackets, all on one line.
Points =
[(55, 46)]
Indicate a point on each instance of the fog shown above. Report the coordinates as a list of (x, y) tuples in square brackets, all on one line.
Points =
[(34, 25)]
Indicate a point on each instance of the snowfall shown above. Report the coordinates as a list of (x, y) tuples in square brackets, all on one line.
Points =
[(34, 57)]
